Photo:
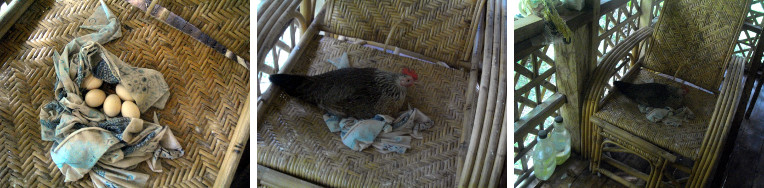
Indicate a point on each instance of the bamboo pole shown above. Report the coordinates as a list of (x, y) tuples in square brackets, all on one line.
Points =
[(265, 18), (482, 96), (501, 156), (151, 7), (587, 128), (274, 178), (493, 91), (235, 148), (265, 5), (14, 11), (474, 29), (469, 104), (501, 102), (270, 28)]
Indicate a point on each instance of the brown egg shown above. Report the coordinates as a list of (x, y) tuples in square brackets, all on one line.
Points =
[(95, 98), (123, 93), (91, 82), (112, 105), (129, 109)]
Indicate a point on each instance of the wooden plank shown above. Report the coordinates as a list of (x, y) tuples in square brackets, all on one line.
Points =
[(275, 178), (756, 129), (528, 27), (539, 114), (608, 6)]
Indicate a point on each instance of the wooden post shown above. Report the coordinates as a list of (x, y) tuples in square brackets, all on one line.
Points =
[(572, 68), (586, 127), (646, 17), (306, 10)]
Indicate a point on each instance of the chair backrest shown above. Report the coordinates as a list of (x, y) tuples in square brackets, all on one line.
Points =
[(696, 38), (438, 29)]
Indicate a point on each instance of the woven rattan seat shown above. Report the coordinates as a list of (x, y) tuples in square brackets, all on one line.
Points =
[(207, 91), (294, 138), (685, 139)]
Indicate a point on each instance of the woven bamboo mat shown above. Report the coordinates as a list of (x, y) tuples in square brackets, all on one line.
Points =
[(685, 139), (294, 139), (434, 28), (696, 39), (207, 91), (226, 21)]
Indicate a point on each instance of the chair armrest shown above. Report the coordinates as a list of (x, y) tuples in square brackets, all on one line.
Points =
[(605, 70), (272, 24), (721, 119)]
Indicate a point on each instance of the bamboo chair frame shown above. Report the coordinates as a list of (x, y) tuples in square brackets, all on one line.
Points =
[(596, 138), (494, 61)]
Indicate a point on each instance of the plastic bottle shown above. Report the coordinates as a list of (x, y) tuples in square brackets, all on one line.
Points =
[(561, 141), (543, 157)]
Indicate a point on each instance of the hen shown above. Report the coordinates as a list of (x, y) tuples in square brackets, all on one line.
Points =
[(653, 94), (350, 92)]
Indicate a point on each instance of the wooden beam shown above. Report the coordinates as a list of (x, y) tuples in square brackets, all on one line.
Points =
[(539, 114), (574, 19), (528, 27)]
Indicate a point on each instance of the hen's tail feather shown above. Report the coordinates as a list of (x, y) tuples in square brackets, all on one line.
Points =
[(292, 84)]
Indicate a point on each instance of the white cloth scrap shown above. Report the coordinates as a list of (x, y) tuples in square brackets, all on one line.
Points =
[(85, 140), (383, 132), (669, 116)]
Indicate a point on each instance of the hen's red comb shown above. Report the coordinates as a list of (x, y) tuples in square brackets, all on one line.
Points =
[(410, 72)]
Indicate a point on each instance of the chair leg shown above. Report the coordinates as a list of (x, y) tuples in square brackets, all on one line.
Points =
[(753, 100), (657, 174)]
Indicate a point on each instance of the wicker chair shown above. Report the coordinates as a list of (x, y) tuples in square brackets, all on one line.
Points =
[(207, 90), (692, 41), (292, 136)]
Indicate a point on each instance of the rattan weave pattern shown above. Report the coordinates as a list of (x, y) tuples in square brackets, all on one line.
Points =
[(207, 92), (226, 21), (294, 139), (685, 139), (434, 28), (695, 39)]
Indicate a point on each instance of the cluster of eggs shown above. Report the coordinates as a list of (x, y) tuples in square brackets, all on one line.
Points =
[(112, 104)]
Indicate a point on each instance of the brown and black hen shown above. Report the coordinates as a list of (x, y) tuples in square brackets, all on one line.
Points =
[(350, 92), (654, 95)]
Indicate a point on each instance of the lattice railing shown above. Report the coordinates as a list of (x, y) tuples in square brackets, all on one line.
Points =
[(750, 32), (535, 86), (614, 26)]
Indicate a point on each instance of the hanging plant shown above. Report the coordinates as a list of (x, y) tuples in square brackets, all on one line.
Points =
[(555, 29)]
